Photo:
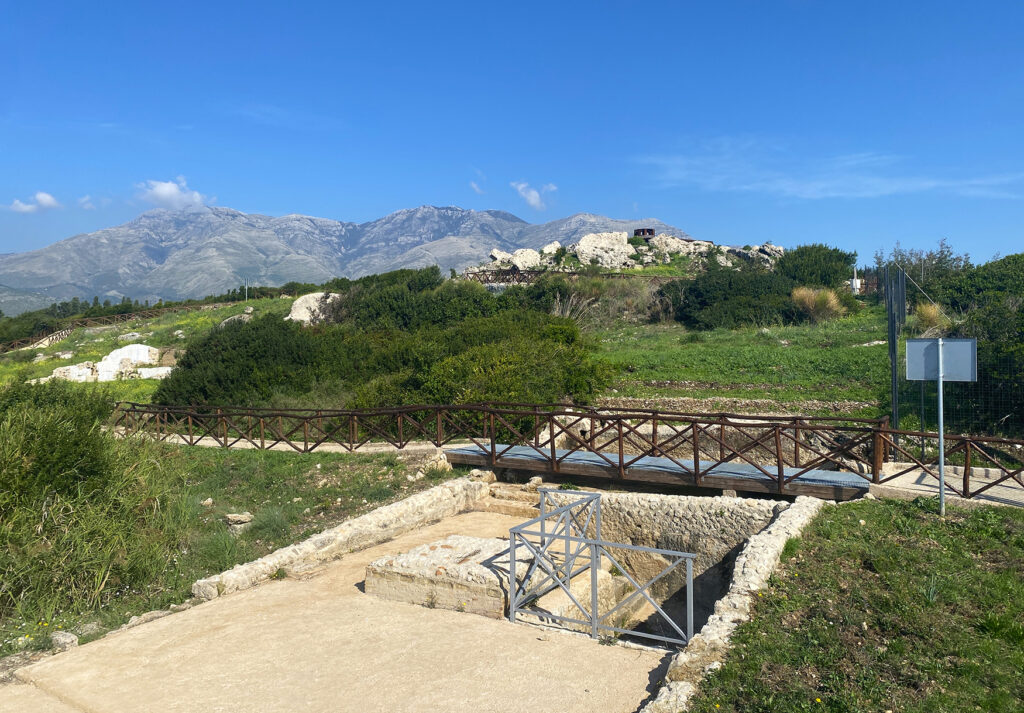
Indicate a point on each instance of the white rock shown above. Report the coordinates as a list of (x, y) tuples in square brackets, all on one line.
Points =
[(128, 337), (63, 640), (306, 309), (550, 248), (122, 361), (610, 250), (526, 259), (84, 372), (236, 318), (238, 518), (500, 255), (154, 372)]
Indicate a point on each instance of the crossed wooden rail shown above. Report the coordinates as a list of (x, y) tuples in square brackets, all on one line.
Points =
[(784, 449)]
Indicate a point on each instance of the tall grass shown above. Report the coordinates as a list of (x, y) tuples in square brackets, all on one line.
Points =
[(930, 318), (819, 305), (82, 515)]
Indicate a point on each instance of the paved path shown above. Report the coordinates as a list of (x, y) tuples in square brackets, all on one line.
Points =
[(320, 644)]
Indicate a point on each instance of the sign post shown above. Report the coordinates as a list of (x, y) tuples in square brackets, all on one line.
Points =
[(942, 360)]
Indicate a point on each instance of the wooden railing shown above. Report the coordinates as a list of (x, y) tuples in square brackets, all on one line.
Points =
[(785, 449), (66, 328)]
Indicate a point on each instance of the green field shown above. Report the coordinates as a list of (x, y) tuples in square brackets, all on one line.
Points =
[(884, 606), (789, 365)]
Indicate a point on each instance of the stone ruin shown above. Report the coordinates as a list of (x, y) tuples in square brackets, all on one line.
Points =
[(472, 574)]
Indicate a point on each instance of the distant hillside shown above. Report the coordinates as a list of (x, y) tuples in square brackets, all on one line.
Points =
[(13, 302), (197, 252)]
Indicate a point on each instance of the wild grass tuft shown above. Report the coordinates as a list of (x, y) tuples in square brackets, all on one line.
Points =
[(819, 305)]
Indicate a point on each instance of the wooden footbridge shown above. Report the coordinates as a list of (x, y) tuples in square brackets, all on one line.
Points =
[(836, 458)]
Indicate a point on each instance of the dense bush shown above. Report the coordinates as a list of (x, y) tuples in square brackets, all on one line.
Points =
[(816, 265), (73, 500), (993, 295), (400, 338), (724, 297)]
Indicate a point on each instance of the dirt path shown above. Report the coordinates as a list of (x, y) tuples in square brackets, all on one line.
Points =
[(321, 644)]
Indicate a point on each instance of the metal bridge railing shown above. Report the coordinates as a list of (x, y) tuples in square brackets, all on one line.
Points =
[(563, 543)]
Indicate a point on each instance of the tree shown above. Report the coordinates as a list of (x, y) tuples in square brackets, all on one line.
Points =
[(817, 265)]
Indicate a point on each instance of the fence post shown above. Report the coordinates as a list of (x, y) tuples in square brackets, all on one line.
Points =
[(796, 444), (512, 586), (305, 435), (696, 454), (401, 444), (622, 458), (494, 442), (967, 469), (877, 456), (594, 565), (224, 423), (551, 438), (440, 430), (778, 455), (263, 440)]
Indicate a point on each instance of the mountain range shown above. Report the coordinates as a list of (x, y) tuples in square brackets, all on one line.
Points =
[(207, 250)]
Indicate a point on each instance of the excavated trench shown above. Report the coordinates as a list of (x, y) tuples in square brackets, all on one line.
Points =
[(472, 574)]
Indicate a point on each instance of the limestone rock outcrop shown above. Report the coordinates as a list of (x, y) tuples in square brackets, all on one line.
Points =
[(306, 309)]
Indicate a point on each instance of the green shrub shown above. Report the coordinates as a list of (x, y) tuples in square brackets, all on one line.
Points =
[(74, 504), (816, 265), (728, 298), (449, 343)]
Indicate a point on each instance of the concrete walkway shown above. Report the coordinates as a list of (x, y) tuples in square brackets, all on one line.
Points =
[(321, 644)]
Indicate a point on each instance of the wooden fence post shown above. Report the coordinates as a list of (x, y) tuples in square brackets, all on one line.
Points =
[(967, 469), (778, 455), (877, 455)]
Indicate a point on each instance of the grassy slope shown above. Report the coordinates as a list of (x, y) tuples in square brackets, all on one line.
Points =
[(786, 364), (94, 344), (186, 541), (904, 612)]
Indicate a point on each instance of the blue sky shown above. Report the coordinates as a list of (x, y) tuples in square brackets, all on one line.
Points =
[(856, 124)]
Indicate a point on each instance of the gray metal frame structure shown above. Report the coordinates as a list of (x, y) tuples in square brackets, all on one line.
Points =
[(560, 550)]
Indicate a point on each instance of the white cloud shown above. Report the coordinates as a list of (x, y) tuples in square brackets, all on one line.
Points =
[(19, 207), (85, 203), (174, 195), (45, 200), (746, 166), (476, 188), (532, 196), (40, 201)]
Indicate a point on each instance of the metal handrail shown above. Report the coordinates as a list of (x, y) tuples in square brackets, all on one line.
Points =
[(568, 530)]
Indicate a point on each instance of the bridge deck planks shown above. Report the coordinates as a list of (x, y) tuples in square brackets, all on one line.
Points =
[(828, 484)]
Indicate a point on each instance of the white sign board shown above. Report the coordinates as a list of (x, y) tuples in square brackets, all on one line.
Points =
[(959, 359)]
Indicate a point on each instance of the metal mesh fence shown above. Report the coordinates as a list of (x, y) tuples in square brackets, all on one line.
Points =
[(993, 405)]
